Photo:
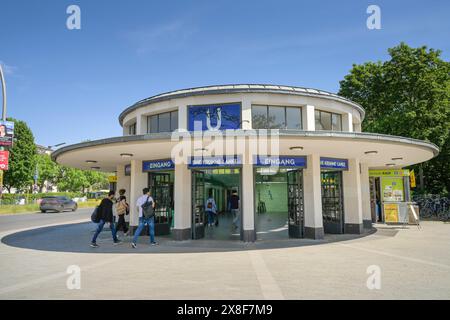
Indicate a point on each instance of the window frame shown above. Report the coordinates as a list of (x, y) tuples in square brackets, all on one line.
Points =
[(285, 124), (157, 116), (331, 118)]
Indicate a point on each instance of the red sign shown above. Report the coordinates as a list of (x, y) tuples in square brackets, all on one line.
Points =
[(4, 159)]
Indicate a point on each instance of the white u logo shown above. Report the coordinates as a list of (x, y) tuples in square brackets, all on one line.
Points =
[(219, 120)]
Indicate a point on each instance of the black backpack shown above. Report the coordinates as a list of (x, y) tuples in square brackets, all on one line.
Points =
[(147, 209), (95, 216)]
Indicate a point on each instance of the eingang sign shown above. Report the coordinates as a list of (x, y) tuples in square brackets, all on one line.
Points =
[(280, 161), (153, 165)]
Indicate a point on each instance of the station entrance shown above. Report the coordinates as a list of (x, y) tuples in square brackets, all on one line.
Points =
[(161, 185), (332, 201), (279, 203), (221, 185)]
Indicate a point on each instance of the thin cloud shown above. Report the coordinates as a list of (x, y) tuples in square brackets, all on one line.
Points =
[(167, 37), (8, 69)]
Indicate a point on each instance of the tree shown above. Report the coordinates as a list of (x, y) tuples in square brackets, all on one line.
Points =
[(22, 158), (408, 95), (47, 170), (76, 180)]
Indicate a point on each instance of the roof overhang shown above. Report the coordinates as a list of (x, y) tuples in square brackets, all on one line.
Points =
[(107, 152)]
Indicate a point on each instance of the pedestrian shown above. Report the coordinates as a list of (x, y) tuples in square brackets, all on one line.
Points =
[(234, 204), (211, 209), (145, 199), (122, 209), (105, 213)]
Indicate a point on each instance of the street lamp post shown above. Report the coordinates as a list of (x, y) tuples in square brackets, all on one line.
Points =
[(2, 80)]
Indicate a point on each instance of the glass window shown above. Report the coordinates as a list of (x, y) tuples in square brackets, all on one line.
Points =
[(317, 117), (293, 118), (132, 129), (328, 121), (259, 117), (164, 122), (153, 124), (173, 120), (336, 122), (325, 120), (276, 118)]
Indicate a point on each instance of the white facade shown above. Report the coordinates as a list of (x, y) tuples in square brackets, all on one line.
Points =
[(360, 151)]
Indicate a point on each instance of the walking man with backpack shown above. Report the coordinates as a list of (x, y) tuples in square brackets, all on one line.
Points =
[(105, 215), (146, 206), (211, 209)]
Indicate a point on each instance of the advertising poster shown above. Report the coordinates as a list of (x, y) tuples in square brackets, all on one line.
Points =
[(392, 189), (215, 117), (6, 133), (391, 212), (4, 160)]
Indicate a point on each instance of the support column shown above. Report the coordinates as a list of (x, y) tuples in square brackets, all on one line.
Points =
[(182, 198), (183, 117), (248, 204), (308, 118), (246, 115), (352, 198), (138, 181), (365, 197), (313, 198), (123, 182), (347, 122)]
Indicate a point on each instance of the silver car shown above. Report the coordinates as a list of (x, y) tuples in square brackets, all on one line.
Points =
[(57, 203)]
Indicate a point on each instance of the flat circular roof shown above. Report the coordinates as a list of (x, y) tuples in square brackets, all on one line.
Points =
[(241, 88)]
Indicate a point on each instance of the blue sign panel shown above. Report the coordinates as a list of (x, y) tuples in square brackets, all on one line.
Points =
[(330, 163), (214, 117), (157, 165), (220, 161), (281, 161), (128, 170)]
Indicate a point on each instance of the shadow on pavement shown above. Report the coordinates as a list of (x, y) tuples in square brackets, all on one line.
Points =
[(75, 238)]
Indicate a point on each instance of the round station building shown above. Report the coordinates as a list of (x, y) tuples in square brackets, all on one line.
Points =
[(295, 156)]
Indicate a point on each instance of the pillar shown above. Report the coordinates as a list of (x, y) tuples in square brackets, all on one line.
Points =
[(183, 206), (248, 204), (347, 122), (246, 115), (365, 197), (308, 118), (352, 198), (313, 198), (138, 181), (123, 182)]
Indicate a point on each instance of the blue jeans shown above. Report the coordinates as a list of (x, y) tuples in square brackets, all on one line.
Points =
[(151, 226), (211, 217), (100, 226)]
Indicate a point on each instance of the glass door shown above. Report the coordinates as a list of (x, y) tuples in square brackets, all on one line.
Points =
[(161, 187), (295, 203), (198, 204), (332, 202)]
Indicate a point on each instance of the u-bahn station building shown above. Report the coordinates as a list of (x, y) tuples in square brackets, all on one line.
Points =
[(296, 157)]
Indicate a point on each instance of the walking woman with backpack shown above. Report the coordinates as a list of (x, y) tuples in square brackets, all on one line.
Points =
[(122, 209)]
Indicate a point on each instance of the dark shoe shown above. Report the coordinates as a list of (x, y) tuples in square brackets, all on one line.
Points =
[(94, 245), (154, 243), (117, 242)]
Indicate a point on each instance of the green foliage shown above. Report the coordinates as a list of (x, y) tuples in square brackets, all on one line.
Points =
[(73, 180), (408, 95), (22, 158), (47, 170)]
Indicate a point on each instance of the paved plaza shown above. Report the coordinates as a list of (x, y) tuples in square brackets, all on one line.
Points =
[(36, 251)]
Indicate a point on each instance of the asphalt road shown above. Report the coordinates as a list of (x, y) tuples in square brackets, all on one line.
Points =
[(29, 220)]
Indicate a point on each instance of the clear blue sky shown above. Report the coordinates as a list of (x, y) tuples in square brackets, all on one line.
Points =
[(70, 86)]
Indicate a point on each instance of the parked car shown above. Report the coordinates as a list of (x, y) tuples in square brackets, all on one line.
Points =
[(57, 203)]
